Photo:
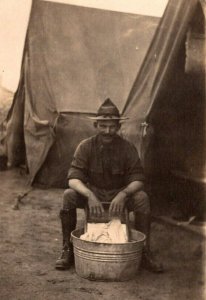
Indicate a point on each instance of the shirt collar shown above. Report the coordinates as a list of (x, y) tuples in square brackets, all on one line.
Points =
[(100, 145)]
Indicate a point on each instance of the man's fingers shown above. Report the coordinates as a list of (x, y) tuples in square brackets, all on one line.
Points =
[(99, 211), (96, 211), (102, 209), (121, 207), (118, 210), (115, 209), (91, 210), (111, 207)]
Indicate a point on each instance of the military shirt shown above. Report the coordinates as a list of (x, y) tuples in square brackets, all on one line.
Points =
[(108, 167)]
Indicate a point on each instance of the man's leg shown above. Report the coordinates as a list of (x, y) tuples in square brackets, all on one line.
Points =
[(71, 200), (140, 205)]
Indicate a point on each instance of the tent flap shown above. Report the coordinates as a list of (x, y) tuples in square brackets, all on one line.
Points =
[(155, 70)]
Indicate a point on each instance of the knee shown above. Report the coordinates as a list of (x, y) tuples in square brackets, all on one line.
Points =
[(141, 202), (68, 198), (68, 193)]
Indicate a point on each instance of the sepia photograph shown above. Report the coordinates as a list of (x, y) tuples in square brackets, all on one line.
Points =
[(102, 149)]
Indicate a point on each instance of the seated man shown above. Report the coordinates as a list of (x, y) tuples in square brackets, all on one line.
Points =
[(105, 168)]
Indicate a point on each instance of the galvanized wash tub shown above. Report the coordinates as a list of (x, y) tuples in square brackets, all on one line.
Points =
[(107, 262)]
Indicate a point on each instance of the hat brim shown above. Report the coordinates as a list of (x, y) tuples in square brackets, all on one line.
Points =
[(101, 118)]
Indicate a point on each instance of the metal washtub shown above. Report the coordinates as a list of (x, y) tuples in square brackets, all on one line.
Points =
[(107, 262)]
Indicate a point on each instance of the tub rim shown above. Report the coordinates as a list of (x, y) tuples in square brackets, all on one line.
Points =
[(91, 242)]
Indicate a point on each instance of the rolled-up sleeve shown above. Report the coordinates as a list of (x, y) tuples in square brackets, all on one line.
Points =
[(79, 164), (134, 170)]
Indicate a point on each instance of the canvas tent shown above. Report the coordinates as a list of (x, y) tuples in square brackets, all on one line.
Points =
[(75, 57)]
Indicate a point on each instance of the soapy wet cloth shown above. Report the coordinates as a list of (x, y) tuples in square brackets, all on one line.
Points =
[(112, 232)]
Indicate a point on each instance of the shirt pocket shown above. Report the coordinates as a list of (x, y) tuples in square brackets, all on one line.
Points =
[(117, 171), (96, 169), (117, 166)]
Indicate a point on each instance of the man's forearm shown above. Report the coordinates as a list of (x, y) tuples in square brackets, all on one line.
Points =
[(79, 187), (132, 188)]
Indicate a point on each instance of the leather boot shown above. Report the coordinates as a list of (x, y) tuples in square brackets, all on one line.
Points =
[(142, 223), (68, 222)]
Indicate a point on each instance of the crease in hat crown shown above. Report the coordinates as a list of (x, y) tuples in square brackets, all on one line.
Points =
[(108, 111)]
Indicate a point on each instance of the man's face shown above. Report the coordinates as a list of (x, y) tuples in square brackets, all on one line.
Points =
[(107, 130)]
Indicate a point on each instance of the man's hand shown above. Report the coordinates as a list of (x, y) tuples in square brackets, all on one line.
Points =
[(118, 203), (95, 206)]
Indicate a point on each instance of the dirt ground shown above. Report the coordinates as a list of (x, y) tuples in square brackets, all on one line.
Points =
[(31, 242)]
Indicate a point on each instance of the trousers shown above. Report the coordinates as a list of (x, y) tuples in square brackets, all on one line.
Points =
[(138, 202)]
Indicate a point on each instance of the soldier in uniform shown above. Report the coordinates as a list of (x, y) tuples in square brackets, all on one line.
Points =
[(106, 168)]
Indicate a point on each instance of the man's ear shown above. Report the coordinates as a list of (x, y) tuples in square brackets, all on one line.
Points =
[(95, 124)]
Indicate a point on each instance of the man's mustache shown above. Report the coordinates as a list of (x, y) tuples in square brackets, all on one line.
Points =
[(107, 135)]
